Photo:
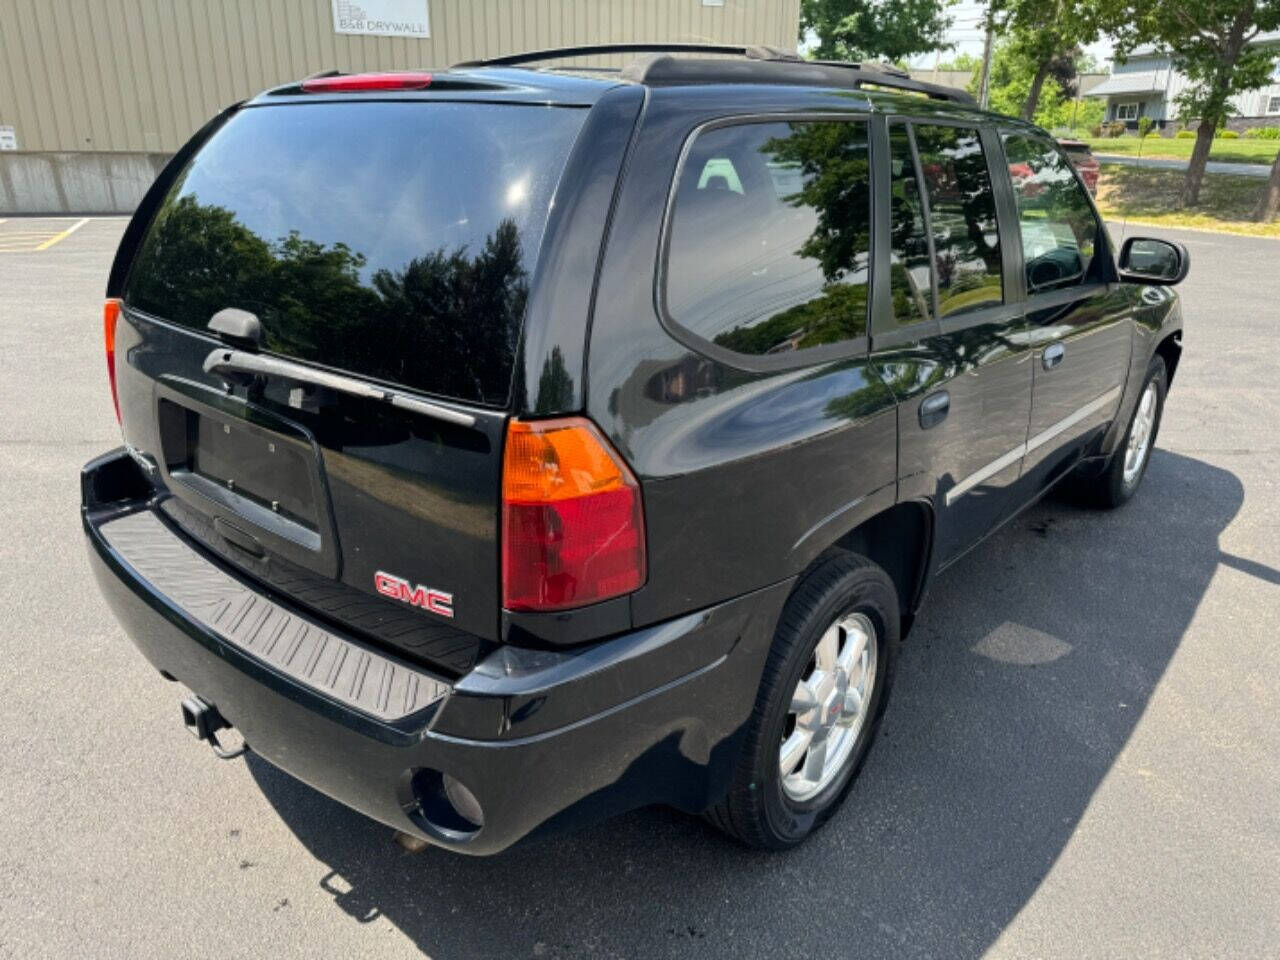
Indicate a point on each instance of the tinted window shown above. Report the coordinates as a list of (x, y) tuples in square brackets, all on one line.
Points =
[(770, 236), (1059, 229), (962, 213), (395, 240), (909, 276)]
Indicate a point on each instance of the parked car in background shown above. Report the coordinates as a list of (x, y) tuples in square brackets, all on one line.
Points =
[(1082, 159), (589, 440)]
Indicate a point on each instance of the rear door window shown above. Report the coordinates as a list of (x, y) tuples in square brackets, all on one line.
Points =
[(962, 211), (770, 236), (395, 240)]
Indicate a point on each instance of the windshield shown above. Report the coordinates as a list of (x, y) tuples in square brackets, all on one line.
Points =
[(391, 239)]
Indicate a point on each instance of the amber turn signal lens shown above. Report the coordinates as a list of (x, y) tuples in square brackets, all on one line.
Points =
[(557, 460), (573, 521)]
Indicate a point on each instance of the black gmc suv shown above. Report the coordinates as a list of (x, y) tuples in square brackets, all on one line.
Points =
[(506, 446)]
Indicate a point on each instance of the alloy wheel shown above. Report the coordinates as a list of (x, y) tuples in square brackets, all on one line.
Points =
[(1140, 433), (828, 708)]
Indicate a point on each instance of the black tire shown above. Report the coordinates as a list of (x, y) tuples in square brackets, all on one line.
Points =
[(757, 810), (1109, 489)]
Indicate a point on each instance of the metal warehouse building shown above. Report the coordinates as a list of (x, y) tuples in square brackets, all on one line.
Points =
[(96, 94)]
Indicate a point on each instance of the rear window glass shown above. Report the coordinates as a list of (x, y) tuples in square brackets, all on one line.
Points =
[(770, 236), (393, 240)]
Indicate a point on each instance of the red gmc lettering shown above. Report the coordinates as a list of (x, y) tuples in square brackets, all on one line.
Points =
[(428, 598)]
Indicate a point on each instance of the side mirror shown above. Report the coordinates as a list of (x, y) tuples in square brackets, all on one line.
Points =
[(1150, 261)]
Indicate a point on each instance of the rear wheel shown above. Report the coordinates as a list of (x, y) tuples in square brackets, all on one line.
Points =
[(820, 700), (1128, 464)]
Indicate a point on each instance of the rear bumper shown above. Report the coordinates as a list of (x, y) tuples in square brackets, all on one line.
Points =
[(540, 738)]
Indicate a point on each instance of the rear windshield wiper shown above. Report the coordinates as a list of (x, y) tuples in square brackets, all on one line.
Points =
[(230, 360), (241, 328)]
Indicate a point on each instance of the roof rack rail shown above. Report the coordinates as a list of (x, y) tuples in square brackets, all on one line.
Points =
[(818, 73), (759, 64), (756, 52)]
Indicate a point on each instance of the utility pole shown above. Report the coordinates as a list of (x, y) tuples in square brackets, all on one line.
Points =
[(984, 85)]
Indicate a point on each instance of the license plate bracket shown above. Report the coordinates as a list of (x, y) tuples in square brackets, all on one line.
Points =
[(248, 469)]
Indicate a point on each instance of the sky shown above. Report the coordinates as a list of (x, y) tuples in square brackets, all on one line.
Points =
[(966, 35)]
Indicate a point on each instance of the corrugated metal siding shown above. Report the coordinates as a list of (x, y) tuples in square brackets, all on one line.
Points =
[(145, 74)]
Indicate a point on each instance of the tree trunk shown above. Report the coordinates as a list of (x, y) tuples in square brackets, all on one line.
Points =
[(1199, 157), (1214, 108), (1037, 84), (1269, 202)]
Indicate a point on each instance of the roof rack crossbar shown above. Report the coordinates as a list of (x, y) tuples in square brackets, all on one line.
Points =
[(757, 52)]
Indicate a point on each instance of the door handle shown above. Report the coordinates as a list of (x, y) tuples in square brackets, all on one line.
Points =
[(1053, 355), (934, 409)]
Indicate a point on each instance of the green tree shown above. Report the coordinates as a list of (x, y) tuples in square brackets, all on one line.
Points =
[(1013, 72), (1210, 40), (961, 61), (874, 29), (1047, 35)]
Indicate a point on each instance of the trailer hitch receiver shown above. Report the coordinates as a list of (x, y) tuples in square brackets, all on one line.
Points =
[(203, 720)]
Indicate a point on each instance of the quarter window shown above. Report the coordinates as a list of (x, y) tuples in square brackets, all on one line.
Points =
[(1060, 232), (770, 236), (1273, 105), (1127, 111), (962, 214)]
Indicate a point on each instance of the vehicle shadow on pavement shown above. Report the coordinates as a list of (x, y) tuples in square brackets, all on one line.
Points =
[(1024, 677)]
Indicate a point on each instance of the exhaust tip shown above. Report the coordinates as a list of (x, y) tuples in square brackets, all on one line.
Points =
[(442, 806)]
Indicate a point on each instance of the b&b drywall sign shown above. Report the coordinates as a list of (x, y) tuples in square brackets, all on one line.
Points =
[(382, 18), (8, 138)]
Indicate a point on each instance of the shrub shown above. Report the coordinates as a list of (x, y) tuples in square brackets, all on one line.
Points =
[(1227, 135), (1185, 135), (1144, 127), (1262, 133), (1095, 131), (1114, 129)]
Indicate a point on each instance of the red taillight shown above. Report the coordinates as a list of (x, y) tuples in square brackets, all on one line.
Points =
[(572, 520), (111, 314), (346, 83)]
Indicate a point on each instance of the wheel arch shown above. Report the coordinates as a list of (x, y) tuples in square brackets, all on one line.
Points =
[(1170, 351), (899, 540)]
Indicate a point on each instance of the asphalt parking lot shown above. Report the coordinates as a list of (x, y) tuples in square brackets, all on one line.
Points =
[(1081, 758)]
